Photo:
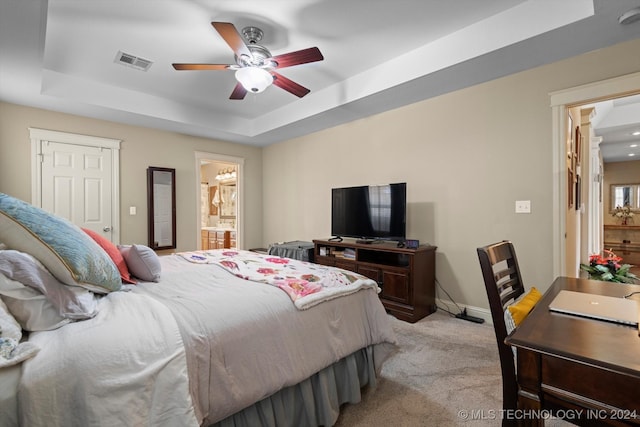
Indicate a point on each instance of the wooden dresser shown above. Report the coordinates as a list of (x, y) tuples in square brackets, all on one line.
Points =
[(624, 240), (405, 276)]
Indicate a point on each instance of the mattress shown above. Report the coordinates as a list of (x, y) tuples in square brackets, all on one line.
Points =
[(192, 349)]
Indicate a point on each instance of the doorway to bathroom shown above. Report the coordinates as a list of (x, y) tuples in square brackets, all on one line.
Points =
[(219, 196)]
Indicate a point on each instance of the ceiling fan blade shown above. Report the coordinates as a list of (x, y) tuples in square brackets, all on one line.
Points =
[(233, 38), (200, 66), (289, 85), (303, 56), (239, 92)]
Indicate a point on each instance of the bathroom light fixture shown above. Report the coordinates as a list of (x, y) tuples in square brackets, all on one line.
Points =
[(636, 133), (224, 174), (254, 79)]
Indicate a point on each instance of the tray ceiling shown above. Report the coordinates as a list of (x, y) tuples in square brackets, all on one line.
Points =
[(64, 55)]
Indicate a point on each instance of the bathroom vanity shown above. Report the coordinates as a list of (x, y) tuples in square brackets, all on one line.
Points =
[(217, 238)]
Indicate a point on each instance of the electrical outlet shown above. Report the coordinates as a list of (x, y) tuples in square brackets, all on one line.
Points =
[(523, 206)]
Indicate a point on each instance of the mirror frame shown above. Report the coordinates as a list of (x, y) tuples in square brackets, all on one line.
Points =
[(151, 170), (221, 187), (635, 205)]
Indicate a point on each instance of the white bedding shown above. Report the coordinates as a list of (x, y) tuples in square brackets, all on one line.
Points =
[(124, 367), (192, 349)]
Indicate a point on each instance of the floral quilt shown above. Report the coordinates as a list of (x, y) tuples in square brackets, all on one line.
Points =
[(307, 284)]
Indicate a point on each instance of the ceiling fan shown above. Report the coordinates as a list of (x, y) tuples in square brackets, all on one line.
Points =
[(255, 66)]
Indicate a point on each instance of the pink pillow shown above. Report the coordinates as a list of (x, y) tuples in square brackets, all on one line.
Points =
[(113, 253)]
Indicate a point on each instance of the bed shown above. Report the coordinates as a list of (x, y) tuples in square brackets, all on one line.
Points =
[(224, 338)]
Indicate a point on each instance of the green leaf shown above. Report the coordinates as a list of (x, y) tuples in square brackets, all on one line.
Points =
[(607, 276)]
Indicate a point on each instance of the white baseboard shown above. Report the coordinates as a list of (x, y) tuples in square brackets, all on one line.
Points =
[(482, 313)]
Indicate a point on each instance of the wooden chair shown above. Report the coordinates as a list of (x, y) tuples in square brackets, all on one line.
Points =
[(503, 283)]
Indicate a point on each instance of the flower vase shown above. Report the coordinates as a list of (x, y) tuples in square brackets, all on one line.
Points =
[(624, 220)]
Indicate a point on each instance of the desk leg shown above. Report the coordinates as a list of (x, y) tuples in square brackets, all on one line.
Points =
[(529, 383)]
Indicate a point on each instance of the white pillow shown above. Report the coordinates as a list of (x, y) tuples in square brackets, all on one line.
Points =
[(72, 302), (509, 322), (29, 307), (142, 262), (12, 351), (9, 327)]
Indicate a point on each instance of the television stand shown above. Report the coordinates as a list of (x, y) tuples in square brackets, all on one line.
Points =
[(367, 241), (405, 276)]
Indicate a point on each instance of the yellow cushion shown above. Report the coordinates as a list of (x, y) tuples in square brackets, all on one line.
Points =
[(521, 309)]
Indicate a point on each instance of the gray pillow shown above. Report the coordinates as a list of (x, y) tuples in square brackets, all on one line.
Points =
[(142, 262)]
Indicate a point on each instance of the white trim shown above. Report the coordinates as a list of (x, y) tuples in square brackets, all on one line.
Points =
[(36, 171), (560, 100), (203, 155), (74, 138), (38, 136), (605, 89), (559, 190)]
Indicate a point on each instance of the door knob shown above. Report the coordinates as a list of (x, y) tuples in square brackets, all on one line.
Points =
[(106, 229)]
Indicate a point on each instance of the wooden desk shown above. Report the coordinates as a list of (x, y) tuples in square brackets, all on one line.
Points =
[(577, 366)]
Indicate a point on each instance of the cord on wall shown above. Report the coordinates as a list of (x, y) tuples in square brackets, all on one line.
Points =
[(462, 312)]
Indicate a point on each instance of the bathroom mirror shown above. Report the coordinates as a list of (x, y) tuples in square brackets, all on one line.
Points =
[(228, 203), (161, 205), (625, 194)]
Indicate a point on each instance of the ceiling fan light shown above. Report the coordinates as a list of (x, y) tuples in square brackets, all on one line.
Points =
[(254, 79), (630, 17)]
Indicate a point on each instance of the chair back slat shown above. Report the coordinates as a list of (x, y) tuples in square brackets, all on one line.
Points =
[(503, 283)]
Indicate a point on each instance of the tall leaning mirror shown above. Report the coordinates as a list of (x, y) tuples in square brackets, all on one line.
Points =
[(161, 205)]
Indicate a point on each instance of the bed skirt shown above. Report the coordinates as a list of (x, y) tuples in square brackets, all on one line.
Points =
[(315, 401)]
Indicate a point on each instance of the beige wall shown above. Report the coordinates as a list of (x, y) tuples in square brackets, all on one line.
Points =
[(466, 156), (141, 148), (618, 173)]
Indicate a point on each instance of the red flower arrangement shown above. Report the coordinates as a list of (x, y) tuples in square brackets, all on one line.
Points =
[(608, 268)]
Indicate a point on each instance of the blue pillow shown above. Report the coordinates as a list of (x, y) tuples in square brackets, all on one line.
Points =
[(67, 252)]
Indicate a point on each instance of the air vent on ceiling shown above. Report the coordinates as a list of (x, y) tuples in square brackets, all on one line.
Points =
[(133, 61)]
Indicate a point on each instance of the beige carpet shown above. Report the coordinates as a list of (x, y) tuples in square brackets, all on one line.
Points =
[(445, 373)]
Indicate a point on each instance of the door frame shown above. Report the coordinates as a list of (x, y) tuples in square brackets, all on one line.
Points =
[(560, 101), (42, 136), (223, 158)]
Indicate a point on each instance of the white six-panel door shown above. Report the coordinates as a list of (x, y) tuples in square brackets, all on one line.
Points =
[(76, 177), (76, 184)]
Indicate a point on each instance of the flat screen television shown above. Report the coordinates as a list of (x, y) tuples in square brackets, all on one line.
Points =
[(370, 212)]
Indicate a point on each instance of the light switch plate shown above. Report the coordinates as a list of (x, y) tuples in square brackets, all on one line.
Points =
[(523, 206), (132, 210)]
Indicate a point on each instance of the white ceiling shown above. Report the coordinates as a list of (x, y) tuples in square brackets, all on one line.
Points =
[(616, 121), (379, 55)]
